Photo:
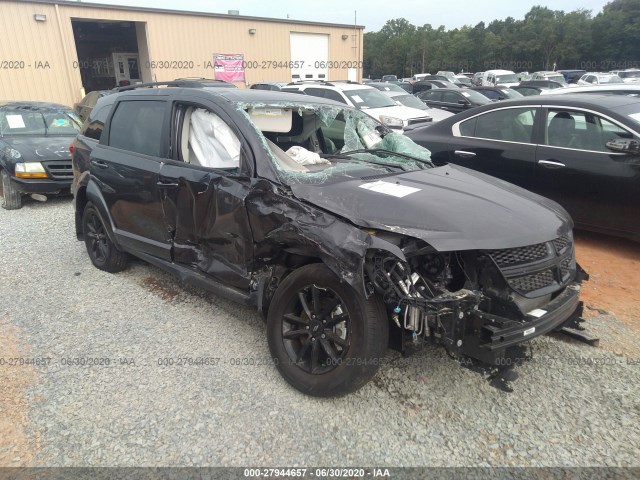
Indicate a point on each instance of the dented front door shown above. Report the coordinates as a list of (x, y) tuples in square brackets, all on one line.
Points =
[(206, 216)]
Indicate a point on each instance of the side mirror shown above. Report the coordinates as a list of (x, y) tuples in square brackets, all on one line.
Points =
[(624, 145), (463, 102)]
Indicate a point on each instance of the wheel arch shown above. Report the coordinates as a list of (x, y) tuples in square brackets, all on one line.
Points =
[(91, 193)]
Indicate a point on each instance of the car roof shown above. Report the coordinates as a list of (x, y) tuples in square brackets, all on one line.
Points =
[(237, 95), (33, 105)]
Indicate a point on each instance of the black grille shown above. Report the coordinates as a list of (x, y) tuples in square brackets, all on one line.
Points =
[(566, 267), (536, 267), (561, 243), (529, 283), (514, 256), (59, 169)]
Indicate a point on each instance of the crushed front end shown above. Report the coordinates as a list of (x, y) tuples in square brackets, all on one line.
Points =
[(478, 303)]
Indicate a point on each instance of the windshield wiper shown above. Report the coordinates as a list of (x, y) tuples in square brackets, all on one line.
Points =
[(345, 156), (44, 120), (389, 152)]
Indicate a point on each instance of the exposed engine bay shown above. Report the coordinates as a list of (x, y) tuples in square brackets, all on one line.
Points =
[(477, 303)]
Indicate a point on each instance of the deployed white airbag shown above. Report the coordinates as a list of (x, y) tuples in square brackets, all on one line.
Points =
[(212, 142), (305, 157)]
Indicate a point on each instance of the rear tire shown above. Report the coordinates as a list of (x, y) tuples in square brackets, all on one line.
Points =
[(11, 197), (325, 338), (102, 252)]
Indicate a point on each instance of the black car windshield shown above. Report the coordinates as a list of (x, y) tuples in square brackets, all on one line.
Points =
[(368, 98), (511, 93), (475, 97), (29, 121), (331, 143)]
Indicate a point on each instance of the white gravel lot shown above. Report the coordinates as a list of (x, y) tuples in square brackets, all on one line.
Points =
[(425, 410)]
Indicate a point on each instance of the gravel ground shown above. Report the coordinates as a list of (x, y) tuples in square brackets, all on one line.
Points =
[(573, 405)]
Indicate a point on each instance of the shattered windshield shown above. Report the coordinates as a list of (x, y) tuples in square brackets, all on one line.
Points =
[(315, 144)]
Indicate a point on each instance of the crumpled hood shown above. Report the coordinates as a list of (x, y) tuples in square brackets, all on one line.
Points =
[(451, 208), (35, 149)]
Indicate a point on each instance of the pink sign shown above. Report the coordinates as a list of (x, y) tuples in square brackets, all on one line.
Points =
[(228, 67)]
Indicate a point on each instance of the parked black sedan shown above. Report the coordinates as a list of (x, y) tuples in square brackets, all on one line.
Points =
[(34, 150), (498, 93), (453, 100), (582, 151), (423, 85), (528, 90), (542, 83)]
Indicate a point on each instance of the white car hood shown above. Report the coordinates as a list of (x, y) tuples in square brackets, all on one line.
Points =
[(402, 112)]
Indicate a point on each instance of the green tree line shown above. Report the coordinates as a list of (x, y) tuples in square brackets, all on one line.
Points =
[(544, 39)]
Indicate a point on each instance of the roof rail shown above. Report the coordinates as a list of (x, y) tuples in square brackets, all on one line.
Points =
[(298, 82), (174, 83), (200, 79)]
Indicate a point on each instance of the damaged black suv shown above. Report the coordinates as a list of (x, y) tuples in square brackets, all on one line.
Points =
[(340, 231)]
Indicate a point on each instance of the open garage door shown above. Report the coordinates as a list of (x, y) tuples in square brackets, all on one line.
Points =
[(313, 50), (110, 54)]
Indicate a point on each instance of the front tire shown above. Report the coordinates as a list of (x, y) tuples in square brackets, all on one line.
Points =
[(102, 252), (325, 338), (11, 197)]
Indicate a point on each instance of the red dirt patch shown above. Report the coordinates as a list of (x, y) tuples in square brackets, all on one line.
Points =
[(613, 265)]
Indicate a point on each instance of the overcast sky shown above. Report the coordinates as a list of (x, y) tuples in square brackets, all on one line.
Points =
[(374, 13)]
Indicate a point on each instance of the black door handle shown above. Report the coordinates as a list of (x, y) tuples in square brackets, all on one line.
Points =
[(162, 184), (99, 163)]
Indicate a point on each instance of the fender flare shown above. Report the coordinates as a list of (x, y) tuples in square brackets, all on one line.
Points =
[(94, 195)]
